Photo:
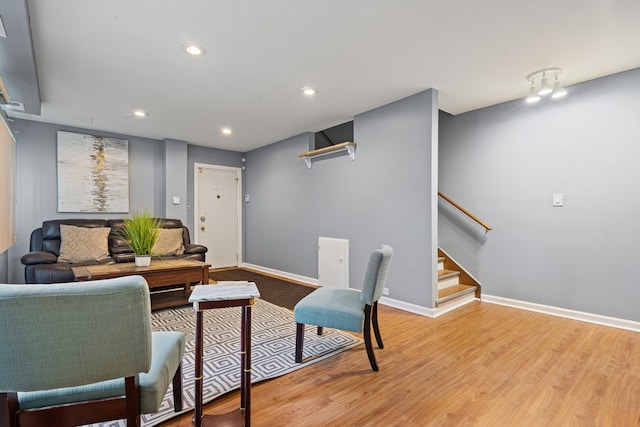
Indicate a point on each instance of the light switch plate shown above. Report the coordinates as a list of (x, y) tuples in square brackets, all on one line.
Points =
[(557, 200), (176, 200)]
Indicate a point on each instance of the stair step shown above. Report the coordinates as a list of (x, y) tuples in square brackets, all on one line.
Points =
[(447, 278), (452, 292), (456, 287)]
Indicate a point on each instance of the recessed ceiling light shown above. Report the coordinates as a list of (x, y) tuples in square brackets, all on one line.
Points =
[(226, 131), (195, 50), (309, 91), (140, 114)]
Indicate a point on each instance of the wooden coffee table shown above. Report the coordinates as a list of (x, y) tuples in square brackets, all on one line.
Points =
[(169, 280)]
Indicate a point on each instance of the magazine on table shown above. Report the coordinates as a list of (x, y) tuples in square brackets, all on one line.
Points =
[(224, 290)]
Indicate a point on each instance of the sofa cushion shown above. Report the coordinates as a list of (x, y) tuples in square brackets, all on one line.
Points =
[(50, 232), (81, 244), (169, 242)]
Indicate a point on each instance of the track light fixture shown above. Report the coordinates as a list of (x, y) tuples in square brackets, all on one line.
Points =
[(540, 85), (558, 91), (533, 94)]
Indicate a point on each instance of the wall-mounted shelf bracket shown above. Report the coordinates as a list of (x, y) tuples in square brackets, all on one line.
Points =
[(349, 147)]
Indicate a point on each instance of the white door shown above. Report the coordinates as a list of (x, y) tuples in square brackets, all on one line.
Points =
[(217, 213), (333, 262)]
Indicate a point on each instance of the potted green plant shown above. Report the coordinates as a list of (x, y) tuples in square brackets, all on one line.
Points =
[(141, 231)]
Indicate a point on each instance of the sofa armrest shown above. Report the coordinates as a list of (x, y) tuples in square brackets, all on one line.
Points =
[(195, 249), (40, 257)]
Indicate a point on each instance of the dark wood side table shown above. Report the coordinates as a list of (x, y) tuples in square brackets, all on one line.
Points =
[(241, 416)]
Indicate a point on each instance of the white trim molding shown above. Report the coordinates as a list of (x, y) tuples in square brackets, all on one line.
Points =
[(401, 305), (436, 312), (563, 312), (454, 304), (425, 311), (284, 274), (407, 306)]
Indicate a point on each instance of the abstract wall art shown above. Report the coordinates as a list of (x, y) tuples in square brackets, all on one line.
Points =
[(93, 173)]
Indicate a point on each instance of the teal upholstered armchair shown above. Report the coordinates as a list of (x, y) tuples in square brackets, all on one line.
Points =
[(347, 309), (81, 353)]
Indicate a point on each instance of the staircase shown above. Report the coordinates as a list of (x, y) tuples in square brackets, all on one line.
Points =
[(455, 286)]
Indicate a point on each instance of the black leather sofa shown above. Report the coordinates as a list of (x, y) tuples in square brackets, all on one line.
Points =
[(42, 265)]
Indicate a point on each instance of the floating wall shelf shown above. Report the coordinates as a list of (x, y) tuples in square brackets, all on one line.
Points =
[(349, 147)]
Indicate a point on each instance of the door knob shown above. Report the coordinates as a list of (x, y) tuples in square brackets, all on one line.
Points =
[(202, 227)]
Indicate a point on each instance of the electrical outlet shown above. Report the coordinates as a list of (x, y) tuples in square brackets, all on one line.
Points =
[(385, 291)]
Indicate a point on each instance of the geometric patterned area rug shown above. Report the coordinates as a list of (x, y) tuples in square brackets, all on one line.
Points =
[(273, 340)]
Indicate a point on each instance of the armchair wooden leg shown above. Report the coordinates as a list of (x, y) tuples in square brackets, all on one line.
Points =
[(132, 391), (320, 330), (8, 409), (177, 389), (376, 328), (367, 337), (299, 341)]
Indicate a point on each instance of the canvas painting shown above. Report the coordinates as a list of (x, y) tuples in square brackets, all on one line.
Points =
[(93, 173)]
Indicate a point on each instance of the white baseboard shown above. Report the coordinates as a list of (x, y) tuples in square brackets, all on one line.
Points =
[(563, 312), (291, 276), (454, 304), (431, 312), (424, 311), (407, 306), (401, 305)]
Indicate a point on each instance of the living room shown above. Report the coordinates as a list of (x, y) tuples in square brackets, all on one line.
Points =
[(310, 201), (420, 149), (503, 162)]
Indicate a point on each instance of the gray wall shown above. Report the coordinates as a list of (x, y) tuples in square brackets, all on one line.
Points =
[(503, 163), (37, 186), (175, 179), (385, 196)]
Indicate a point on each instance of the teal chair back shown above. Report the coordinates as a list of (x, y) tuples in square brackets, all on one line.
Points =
[(376, 274), (50, 333), (83, 352)]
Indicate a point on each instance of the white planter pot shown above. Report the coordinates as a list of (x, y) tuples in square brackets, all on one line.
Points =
[(143, 260)]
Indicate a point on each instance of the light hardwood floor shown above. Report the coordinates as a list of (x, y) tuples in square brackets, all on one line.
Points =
[(481, 365)]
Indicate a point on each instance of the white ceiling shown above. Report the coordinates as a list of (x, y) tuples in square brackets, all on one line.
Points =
[(98, 60)]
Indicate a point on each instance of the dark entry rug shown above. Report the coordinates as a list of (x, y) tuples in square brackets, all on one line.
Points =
[(276, 291)]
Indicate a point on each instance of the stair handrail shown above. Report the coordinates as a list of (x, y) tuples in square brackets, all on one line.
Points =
[(466, 212)]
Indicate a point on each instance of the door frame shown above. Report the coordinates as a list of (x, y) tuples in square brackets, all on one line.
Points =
[(196, 190)]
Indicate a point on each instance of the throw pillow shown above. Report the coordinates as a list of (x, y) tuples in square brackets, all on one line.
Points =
[(169, 242), (81, 244)]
